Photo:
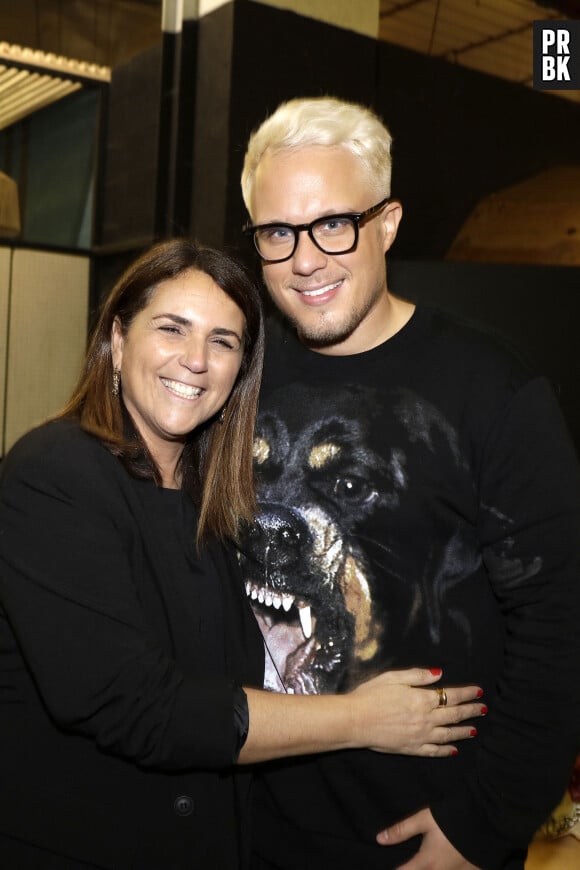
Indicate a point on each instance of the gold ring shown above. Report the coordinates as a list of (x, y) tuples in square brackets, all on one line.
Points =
[(442, 696)]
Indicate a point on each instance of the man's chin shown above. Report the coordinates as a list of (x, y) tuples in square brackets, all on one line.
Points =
[(324, 335)]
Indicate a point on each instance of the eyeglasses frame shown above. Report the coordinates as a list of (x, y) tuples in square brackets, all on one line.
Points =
[(357, 217)]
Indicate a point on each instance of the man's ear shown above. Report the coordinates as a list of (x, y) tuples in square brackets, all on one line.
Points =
[(391, 216)]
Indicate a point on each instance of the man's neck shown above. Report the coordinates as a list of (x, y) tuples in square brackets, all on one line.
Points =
[(395, 314)]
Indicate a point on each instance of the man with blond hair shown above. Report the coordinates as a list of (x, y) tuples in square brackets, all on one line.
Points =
[(419, 505)]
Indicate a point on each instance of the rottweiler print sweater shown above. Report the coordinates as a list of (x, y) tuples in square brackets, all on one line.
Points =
[(419, 506)]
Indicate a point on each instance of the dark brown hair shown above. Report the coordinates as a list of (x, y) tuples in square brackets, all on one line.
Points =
[(216, 463)]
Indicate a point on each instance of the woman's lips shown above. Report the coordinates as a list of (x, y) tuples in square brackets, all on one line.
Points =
[(184, 391)]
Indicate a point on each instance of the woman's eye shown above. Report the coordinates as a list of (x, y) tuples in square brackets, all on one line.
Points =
[(173, 330), (225, 343)]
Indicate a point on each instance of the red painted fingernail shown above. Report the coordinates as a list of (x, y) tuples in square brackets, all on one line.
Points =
[(479, 693), (455, 752), (483, 710), (473, 732), (436, 671)]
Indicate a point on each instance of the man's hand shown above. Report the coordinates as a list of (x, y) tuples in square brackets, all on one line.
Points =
[(436, 852)]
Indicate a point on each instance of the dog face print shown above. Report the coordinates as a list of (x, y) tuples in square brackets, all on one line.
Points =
[(346, 559), (305, 570)]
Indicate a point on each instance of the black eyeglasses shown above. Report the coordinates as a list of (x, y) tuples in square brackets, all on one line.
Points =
[(332, 234)]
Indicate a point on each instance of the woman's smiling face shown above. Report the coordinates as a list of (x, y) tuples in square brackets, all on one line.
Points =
[(178, 360)]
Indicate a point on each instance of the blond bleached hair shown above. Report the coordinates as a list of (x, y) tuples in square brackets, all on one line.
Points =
[(326, 121)]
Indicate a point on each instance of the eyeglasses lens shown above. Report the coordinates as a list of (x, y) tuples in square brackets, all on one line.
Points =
[(332, 235)]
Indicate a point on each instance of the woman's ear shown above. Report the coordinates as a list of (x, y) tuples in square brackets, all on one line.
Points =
[(117, 343)]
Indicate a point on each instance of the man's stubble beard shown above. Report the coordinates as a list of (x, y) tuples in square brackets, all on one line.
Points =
[(324, 334)]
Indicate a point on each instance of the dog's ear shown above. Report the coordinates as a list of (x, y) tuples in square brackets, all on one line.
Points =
[(357, 598)]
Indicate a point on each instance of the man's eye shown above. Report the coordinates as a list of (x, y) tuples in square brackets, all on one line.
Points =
[(333, 226), (276, 234)]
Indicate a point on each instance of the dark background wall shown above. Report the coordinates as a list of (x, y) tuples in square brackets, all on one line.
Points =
[(129, 172), (458, 134)]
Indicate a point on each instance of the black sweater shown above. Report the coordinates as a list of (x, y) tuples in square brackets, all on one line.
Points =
[(424, 499)]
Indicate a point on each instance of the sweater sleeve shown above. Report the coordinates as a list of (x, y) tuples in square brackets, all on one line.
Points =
[(68, 556), (529, 530)]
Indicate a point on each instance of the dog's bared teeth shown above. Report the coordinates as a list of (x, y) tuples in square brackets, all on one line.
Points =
[(277, 600), (287, 602), (268, 598), (248, 588), (261, 595), (254, 593), (305, 614)]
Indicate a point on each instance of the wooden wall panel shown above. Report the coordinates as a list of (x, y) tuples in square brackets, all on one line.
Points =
[(534, 221), (47, 336)]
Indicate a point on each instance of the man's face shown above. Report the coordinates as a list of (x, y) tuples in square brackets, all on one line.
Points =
[(338, 302)]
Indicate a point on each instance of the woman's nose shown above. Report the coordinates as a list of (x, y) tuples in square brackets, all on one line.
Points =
[(194, 356)]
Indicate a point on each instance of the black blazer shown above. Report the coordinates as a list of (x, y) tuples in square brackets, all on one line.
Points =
[(115, 741)]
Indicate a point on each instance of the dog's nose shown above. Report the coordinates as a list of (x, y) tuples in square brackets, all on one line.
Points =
[(277, 534)]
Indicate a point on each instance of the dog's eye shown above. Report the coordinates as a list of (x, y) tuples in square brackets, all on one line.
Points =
[(353, 489)]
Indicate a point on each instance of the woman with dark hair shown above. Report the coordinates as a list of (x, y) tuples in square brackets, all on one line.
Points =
[(128, 651), (227, 496)]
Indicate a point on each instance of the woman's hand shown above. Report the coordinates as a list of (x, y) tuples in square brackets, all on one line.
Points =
[(394, 712), (398, 712)]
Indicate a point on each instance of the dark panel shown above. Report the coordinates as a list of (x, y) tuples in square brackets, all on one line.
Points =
[(129, 171), (278, 55), (168, 135), (186, 131), (131, 153), (106, 270), (536, 308), (460, 135), (211, 96)]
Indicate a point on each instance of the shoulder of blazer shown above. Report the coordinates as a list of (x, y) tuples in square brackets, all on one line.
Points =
[(60, 464), (61, 452), (58, 438)]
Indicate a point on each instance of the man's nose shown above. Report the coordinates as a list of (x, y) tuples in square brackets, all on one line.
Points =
[(307, 257)]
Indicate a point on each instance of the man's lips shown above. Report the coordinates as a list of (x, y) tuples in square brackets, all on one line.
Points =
[(319, 295)]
